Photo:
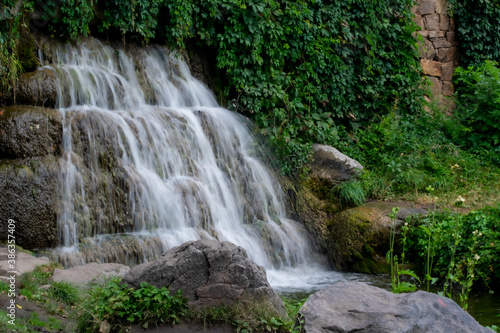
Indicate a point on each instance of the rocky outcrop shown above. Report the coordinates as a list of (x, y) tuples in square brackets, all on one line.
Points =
[(330, 164), (27, 132), (210, 274), (37, 88), (358, 307), (28, 192), (358, 238), (30, 139)]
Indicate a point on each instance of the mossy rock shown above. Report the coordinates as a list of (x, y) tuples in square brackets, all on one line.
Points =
[(358, 238)]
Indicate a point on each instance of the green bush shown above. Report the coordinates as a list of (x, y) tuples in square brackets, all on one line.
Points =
[(404, 154), (116, 305), (64, 292), (477, 233), (478, 108), (478, 27)]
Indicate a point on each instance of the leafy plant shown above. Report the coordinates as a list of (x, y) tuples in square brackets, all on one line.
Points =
[(478, 29), (398, 286), (115, 305), (467, 242), (478, 108)]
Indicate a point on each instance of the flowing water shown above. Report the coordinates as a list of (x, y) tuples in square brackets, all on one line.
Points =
[(151, 161)]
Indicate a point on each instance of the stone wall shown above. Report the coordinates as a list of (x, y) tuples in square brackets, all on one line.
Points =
[(438, 52)]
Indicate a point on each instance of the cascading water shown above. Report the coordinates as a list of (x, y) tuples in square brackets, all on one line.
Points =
[(151, 161)]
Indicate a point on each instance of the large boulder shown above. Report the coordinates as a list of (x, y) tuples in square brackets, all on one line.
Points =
[(358, 307), (38, 88), (330, 164), (210, 274), (27, 132)]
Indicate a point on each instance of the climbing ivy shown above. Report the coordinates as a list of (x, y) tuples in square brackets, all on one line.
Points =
[(306, 71), (11, 18), (478, 27)]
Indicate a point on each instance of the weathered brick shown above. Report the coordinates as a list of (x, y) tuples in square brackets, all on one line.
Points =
[(436, 86), (448, 88), (419, 20), (437, 34), (426, 50), (441, 43), (444, 22), (452, 24), (429, 67), (447, 70), (450, 36), (447, 54), (441, 6), (431, 22), (426, 7)]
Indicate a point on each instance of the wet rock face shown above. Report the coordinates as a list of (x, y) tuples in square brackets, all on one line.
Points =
[(358, 307), (210, 274), (27, 132), (28, 192), (30, 139), (37, 88)]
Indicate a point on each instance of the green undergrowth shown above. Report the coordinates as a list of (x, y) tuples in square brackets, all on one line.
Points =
[(113, 306), (464, 248), (414, 157)]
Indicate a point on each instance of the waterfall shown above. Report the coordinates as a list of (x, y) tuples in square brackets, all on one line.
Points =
[(151, 161)]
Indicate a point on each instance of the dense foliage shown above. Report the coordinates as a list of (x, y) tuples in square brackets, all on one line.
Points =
[(405, 155), (458, 242), (478, 26), (478, 92), (306, 71), (11, 19)]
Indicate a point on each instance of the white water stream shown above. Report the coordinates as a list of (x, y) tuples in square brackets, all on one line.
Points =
[(151, 161)]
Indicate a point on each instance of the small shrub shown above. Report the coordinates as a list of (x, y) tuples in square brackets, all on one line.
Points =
[(478, 92), (64, 292), (458, 238), (117, 305), (350, 193)]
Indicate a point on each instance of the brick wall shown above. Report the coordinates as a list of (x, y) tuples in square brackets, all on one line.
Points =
[(438, 52)]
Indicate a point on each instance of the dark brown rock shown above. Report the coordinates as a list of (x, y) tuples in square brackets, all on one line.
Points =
[(447, 54), (431, 22), (444, 22), (441, 43), (448, 88), (37, 88), (210, 274), (28, 192), (357, 307), (427, 50), (429, 67), (426, 7), (27, 131), (435, 86), (441, 6), (447, 71)]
